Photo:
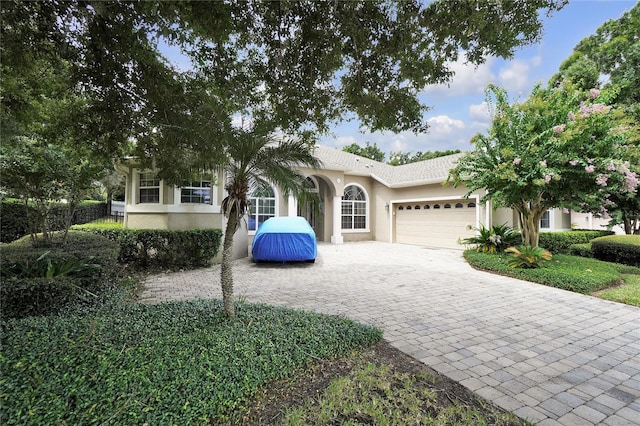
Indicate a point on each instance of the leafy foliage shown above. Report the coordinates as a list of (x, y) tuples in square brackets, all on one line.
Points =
[(161, 248), (368, 151), (561, 242), (583, 250), (578, 274), (15, 214), (559, 148), (494, 240), (528, 257), (38, 281), (399, 158), (178, 363), (617, 248)]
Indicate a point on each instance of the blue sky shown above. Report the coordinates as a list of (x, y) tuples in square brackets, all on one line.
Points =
[(458, 111)]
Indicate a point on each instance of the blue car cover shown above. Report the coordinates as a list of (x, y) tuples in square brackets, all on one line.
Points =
[(284, 239)]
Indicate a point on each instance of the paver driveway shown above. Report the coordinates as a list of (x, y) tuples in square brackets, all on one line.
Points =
[(548, 355)]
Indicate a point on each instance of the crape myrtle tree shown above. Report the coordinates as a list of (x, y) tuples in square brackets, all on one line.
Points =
[(613, 51), (560, 148)]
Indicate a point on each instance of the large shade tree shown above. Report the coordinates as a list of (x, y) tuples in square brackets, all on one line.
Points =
[(559, 148), (256, 159)]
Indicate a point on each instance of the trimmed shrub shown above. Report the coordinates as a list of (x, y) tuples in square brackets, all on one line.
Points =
[(162, 248), (623, 249), (39, 291), (560, 242), (582, 250)]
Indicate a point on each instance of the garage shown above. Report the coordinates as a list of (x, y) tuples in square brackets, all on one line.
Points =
[(434, 223)]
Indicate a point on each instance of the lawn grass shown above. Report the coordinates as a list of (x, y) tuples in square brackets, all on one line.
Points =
[(628, 293), (573, 273)]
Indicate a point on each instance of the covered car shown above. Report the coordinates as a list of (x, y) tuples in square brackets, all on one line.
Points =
[(284, 239)]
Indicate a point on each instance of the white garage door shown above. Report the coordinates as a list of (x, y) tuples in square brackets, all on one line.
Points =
[(435, 223)]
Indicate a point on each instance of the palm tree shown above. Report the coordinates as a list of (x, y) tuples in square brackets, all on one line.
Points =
[(255, 159)]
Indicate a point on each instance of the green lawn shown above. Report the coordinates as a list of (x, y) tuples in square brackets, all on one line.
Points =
[(628, 293), (573, 273)]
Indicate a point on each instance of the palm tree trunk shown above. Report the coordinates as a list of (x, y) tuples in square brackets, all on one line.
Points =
[(226, 276)]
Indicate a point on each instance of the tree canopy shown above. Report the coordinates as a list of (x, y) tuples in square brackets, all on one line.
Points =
[(297, 66), (399, 158), (367, 151), (560, 148)]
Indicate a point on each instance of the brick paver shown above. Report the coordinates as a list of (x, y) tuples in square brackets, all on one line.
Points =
[(549, 355)]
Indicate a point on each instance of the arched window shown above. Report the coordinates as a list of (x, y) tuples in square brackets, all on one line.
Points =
[(263, 206), (459, 205), (447, 206), (400, 208), (354, 208), (408, 207), (436, 206), (471, 205), (417, 208), (427, 206)]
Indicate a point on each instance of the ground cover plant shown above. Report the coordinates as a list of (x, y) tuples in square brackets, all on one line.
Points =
[(175, 363), (578, 274)]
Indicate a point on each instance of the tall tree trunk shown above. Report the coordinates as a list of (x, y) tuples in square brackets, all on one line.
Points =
[(226, 276)]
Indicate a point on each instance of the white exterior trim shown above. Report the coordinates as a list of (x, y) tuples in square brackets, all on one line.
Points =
[(367, 209)]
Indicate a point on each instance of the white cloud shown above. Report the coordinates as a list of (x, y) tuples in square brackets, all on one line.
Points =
[(480, 112), (443, 125), (468, 79), (515, 77), (342, 141)]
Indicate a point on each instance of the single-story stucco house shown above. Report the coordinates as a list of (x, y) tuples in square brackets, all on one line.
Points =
[(358, 199)]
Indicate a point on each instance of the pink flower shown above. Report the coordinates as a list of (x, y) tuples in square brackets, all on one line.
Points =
[(602, 179), (571, 116), (611, 166), (565, 210), (516, 161), (590, 168), (630, 181), (559, 128), (573, 162), (547, 177), (543, 163), (587, 110), (594, 93)]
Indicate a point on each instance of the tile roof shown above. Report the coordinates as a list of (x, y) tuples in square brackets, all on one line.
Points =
[(428, 171)]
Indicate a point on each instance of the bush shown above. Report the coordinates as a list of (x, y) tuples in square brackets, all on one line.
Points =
[(582, 250), (162, 248), (15, 223), (494, 240), (528, 257), (560, 242), (41, 293), (572, 273), (617, 248), (172, 363)]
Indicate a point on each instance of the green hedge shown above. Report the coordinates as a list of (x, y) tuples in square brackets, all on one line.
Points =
[(560, 242), (577, 274), (162, 248), (26, 296), (167, 364), (617, 248), (15, 216), (582, 250)]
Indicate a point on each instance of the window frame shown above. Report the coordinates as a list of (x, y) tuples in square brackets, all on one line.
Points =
[(145, 177), (351, 204), (255, 206), (191, 187)]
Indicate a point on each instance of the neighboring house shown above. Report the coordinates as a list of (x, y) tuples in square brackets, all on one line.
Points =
[(358, 199)]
